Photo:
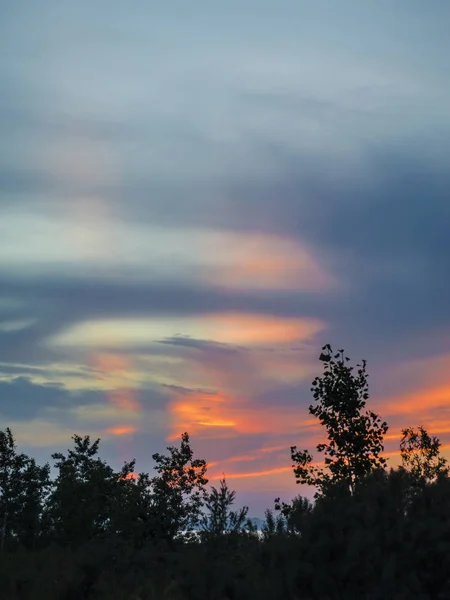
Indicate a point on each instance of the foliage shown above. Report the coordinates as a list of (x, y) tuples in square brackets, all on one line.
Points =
[(355, 436), (178, 489), (23, 487), (295, 513), (274, 524), (421, 455), (219, 519), (86, 494)]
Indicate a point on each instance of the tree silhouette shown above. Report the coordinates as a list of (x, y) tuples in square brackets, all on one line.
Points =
[(355, 436), (428, 527), (219, 519), (23, 487), (421, 455), (178, 490), (85, 491), (295, 513), (274, 524)]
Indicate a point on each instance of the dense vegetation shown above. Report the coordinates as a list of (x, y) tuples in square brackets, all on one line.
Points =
[(371, 532)]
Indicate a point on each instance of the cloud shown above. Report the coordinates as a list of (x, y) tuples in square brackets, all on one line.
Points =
[(23, 399), (184, 341), (122, 430), (116, 409), (422, 394), (251, 329), (42, 433), (250, 261), (243, 393)]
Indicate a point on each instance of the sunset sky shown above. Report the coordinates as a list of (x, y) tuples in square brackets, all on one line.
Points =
[(195, 197)]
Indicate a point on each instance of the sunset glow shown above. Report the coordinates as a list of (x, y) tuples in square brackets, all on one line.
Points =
[(195, 199)]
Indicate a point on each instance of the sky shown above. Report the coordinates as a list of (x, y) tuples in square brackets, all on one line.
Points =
[(195, 197)]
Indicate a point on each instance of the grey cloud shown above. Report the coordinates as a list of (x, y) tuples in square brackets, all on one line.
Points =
[(186, 391), (209, 346), (21, 399), (59, 302), (152, 397), (79, 298), (291, 396), (384, 234), (22, 181), (19, 370)]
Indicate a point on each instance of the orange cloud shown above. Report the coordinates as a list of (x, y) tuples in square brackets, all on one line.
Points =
[(228, 408), (236, 378), (419, 402), (251, 329), (261, 473), (264, 261), (225, 415), (258, 454), (425, 385), (124, 430), (200, 412), (243, 458), (283, 464)]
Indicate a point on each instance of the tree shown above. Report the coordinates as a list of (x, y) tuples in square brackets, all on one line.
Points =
[(421, 455), (428, 522), (178, 490), (85, 493), (219, 518), (274, 524), (23, 487), (296, 513), (355, 436)]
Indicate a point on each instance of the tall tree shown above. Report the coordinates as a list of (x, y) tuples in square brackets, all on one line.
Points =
[(219, 518), (295, 513), (85, 490), (23, 487), (178, 490), (421, 456), (355, 435), (274, 524)]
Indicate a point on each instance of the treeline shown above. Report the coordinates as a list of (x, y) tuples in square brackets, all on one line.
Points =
[(371, 532)]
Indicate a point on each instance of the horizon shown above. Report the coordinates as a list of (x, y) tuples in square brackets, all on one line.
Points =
[(194, 200)]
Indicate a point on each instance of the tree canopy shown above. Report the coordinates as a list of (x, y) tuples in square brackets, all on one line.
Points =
[(354, 443)]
